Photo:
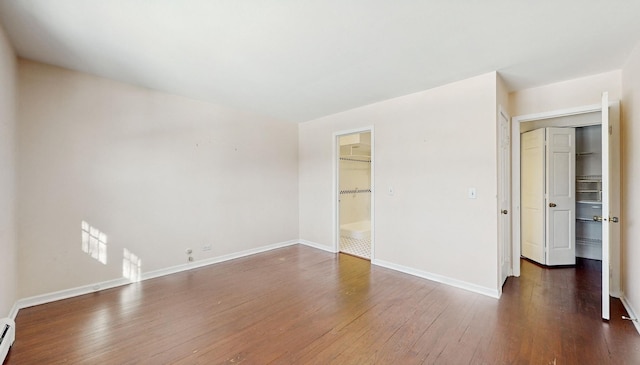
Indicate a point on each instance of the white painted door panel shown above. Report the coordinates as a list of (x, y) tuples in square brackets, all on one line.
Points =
[(561, 202), (606, 208), (532, 195), (504, 191), (614, 200)]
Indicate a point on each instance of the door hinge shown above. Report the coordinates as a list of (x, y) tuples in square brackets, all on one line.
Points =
[(610, 130)]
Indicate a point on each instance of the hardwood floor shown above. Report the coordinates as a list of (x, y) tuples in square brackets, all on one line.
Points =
[(299, 305)]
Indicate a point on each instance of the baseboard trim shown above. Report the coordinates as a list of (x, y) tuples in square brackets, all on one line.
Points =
[(317, 246), (215, 260), (14, 311), (439, 278), (91, 288), (615, 294), (632, 313), (69, 293)]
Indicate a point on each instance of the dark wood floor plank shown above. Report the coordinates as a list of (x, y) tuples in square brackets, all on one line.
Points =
[(298, 305)]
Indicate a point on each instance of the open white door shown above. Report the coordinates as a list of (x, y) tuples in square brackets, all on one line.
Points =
[(504, 192), (605, 206), (561, 200), (609, 176), (532, 192)]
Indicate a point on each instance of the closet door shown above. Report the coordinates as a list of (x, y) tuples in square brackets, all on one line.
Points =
[(561, 201), (532, 195)]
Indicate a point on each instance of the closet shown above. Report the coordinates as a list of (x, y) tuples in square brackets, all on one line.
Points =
[(561, 194), (596, 181), (589, 192)]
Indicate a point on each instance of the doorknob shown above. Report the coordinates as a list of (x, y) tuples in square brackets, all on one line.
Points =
[(504, 211), (614, 219), (597, 218), (552, 205)]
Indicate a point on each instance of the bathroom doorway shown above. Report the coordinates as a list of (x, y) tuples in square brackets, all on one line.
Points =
[(354, 193)]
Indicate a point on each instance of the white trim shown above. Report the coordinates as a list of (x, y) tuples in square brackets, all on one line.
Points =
[(336, 186), (215, 260), (318, 246), (372, 204), (91, 288), (515, 196), (14, 311), (558, 113), (616, 294), (69, 293), (630, 311), (439, 278)]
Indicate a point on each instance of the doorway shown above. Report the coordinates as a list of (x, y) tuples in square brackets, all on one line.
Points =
[(354, 193), (606, 117)]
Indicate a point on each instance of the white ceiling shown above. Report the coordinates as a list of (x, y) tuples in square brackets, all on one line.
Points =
[(299, 60)]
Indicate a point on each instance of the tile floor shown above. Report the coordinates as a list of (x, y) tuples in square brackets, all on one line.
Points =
[(356, 247)]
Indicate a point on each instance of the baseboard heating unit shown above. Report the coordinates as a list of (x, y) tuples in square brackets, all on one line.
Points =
[(7, 336)]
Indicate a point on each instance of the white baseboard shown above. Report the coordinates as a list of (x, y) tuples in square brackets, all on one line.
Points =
[(439, 278), (317, 246), (90, 288), (69, 293), (14, 311), (215, 260), (631, 311), (616, 294)]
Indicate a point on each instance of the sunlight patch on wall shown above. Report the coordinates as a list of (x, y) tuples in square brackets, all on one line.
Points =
[(94, 242), (131, 266)]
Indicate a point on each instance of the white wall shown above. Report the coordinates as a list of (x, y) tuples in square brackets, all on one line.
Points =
[(630, 217), (157, 173), (431, 147), (8, 243), (567, 94)]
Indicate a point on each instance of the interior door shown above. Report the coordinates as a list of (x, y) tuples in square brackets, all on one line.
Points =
[(610, 200), (532, 192), (561, 200), (605, 206), (504, 191), (613, 175)]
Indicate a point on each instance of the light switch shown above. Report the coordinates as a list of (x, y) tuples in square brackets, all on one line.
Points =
[(391, 190), (472, 193)]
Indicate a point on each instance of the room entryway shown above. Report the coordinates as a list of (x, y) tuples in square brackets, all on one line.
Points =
[(354, 208)]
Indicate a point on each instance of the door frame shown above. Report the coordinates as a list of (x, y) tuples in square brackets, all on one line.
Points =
[(336, 186), (516, 122)]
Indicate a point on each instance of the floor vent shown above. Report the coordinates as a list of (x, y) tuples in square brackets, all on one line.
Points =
[(7, 336)]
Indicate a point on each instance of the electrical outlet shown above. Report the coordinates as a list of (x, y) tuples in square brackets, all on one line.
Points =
[(188, 251), (207, 247)]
